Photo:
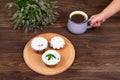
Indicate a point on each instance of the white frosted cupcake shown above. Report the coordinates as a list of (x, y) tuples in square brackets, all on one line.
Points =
[(51, 57), (57, 42), (39, 44)]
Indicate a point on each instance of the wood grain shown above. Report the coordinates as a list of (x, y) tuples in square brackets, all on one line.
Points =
[(97, 51)]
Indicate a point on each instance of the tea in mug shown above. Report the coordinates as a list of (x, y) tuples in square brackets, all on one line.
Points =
[(78, 18)]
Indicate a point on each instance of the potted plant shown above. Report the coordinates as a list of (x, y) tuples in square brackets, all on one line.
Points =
[(32, 15)]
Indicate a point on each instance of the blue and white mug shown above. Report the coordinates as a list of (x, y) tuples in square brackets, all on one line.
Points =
[(78, 28)]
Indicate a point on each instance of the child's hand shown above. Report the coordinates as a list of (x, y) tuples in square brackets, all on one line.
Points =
[(97, 20)]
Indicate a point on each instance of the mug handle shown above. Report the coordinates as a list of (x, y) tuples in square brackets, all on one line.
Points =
[(88, 24)]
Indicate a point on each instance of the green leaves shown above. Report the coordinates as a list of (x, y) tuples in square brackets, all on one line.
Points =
[(50, 56), (32, 15)]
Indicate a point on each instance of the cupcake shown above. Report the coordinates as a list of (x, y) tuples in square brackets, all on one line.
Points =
[(51, 57), (39, 44), (57, 42)]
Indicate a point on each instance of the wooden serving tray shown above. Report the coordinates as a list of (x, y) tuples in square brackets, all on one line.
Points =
[(34, 61)]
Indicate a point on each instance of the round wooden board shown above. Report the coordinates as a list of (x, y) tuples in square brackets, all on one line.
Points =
[(34, 61)]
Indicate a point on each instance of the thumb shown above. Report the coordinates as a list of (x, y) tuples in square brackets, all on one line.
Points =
[(93, 21)]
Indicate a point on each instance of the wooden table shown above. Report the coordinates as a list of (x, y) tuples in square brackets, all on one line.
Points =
[(97, 51)]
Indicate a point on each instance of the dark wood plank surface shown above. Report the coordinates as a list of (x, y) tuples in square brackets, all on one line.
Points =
[(97, 51)]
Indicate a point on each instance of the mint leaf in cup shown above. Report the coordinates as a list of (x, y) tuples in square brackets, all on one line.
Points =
[(50, 56)]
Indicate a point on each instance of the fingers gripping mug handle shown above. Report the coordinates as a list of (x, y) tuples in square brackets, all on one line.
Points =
[(88, 24)]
